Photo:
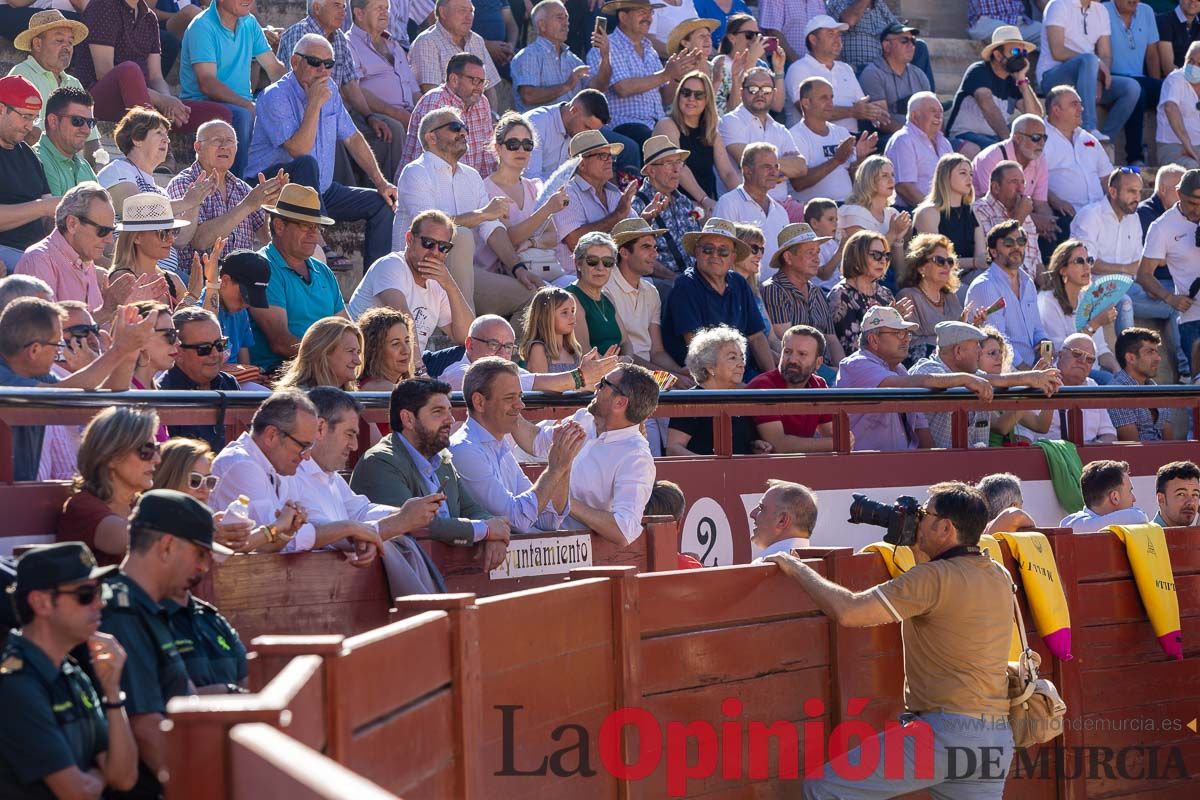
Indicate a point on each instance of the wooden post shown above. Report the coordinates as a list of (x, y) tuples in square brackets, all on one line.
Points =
[(1067, 675), (661, 535), (959, 422)]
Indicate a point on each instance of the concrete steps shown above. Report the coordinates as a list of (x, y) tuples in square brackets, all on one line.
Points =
[(951, 58), (935, 18)]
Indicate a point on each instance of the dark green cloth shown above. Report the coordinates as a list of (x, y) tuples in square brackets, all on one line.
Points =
[(207, 643), (1065, 470), (51, 719), (601, 318)]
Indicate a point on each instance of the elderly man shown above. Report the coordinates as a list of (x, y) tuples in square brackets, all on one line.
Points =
[(325, 18), (1018, 318), (712, 293), (1025, 146), (1171, 243), (233, 210), (1112, 231), (1166, 194), (218, 49), (1005, 200), (991, 88), (830, 150), (1139, 356), (662, 166), (1108, 499), (301, 289), (824, 37), (637, 90), (450, 34), (300, 120), (783, 519), (792, 296), (1177, 488), (439, 179), (1177, 117), (1077, 164), (801, 355), (485, 463), (546, 72), (463, 92), (417, 281), (554, 127), (878, 363), (916, 148), (892, 77), (386, 80), (63, 141), (1075, 360), (751, 122), (199, 331), (752, 202), (25, 199)]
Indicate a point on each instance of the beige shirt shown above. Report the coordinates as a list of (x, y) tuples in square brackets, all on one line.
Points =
[(956, 619), (638, 307)]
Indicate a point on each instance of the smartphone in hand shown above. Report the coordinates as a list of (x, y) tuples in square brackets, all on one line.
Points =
[(601, 24), (770, 45)]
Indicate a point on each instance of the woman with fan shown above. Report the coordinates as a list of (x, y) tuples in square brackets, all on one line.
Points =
[(1070, 273)]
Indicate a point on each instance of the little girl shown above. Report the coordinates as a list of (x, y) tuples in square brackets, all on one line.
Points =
[(549, 343)]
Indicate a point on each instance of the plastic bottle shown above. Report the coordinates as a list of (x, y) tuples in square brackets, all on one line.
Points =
[(239, 509)]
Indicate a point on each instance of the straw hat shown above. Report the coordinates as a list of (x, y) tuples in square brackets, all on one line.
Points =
[(686, 29), (792, 235), (633, 228), (715, 226), (148, 211), (1007, 35), (587, 142), (658, 147), (47, 20), (300, 202), (614, 6)]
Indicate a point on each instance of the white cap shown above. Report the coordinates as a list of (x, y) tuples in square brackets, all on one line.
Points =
[(824, 21)]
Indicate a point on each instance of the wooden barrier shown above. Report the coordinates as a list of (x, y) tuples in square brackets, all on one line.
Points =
[(266, 763)]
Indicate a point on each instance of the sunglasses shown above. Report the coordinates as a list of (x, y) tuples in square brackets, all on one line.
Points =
[(709, 249), (80, 122), (1131, 170), (616, 387), (880, 256), (750, 35), (906, 40), (1020, 241), (1080, 260), (204, 348), (313, 61), (1033, 137), (305, 447), (756, 249), (1086, 357), (755, 91), (608, 262), (170, 334), (944, 261), (169, 235), (603, 155), (84, 594), (82, 331), (148, 451), (59, 345), (693, 94), (454, 125), (442, 247), (101, 230), (196, 480), (513, 145)]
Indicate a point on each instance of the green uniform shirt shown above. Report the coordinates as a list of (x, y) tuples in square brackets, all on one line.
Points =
[(50, 719), (62, 173), (208, 644), (46, 82), (601, 318)]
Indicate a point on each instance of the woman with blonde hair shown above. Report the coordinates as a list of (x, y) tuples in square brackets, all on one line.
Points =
[(548, 343), (389, 355), (931, 283), (146, 244), (330, 354), (692, 124), (1068, 274), (947, 210), (869, 206), (865, 261), (996, 358), (117, 458)]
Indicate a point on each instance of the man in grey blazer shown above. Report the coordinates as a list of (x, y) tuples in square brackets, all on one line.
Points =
[(411, 462)]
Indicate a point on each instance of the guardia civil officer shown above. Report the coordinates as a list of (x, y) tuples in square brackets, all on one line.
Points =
[(59, 737), (170, 543), (210, 647)]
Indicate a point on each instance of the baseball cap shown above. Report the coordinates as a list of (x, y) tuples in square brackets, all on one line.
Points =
[(897, 27), (951, 332), (180, 515), (55, 564), (821, 21), (252, 271), (20, 93), (881, 317)]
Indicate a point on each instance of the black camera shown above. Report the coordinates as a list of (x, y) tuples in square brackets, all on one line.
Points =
[(900, 519)]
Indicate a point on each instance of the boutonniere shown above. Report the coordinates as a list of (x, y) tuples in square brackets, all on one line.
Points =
[(1089, 143), (697, 213)]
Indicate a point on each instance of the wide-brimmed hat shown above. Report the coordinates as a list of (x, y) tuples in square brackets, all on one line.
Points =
[(686, 29), (715, 226), (148, 211), (792, 235), (634, 228), (1007, 35), (624, 5), (300, 202), (885, 317), (658, 147), (47, 20), (587, 142)]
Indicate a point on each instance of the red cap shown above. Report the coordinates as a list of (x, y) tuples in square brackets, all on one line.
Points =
[(19, 92)]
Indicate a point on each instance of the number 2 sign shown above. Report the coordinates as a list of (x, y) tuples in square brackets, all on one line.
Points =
[(706, 533)]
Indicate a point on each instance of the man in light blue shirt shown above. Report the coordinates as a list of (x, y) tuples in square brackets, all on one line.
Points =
[(1134, 37), (485, 462), (545, 71), (1018, 319), (554, 126), (1107, 499)]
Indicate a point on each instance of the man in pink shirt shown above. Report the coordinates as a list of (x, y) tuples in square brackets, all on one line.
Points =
[(1025, 146)]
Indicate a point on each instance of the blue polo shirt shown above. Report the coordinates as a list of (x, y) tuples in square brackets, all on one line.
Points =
[(693, 304), (305, 302), (206, 40), (1129, 44)]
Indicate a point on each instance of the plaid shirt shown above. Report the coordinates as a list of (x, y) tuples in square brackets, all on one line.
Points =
[(677, 219), (431, 51), (860, 44), (645, 108), (479, 129), (344, 70), (787, 306), (236, 190), (941, 422), (1149, 421), (789, 17), (539, 65), (1010, 12)]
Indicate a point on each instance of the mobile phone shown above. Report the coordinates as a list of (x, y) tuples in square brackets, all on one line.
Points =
[(770, 45), (601, 24), (1046, 349)]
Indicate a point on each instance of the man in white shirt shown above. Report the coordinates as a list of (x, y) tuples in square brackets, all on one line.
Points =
[(486, 464), (553, 127), (416, 280), (1172, 240), (830, 150), (823, 35), (752, 202), (783, 519), (751, 122), (1112, 231), (1107, 499), (438, 179), (915, 149), (1078, 166), (1075, 360)]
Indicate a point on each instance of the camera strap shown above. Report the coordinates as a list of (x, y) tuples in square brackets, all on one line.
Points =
[(960, 550)]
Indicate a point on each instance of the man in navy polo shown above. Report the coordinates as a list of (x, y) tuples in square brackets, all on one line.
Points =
[(711, 293)]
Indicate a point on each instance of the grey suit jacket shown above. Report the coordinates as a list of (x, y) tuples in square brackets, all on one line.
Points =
[(386, 474)]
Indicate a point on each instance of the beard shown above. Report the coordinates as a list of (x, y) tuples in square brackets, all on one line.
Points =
[(795, 376), (433, 441)]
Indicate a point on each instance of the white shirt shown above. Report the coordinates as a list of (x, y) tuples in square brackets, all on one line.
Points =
[(782, 546), (552, 140), (1178, 91), (741, 127), (457, 372), (328, 498), (739, 206), (846, 89), (429, 305), (1087, 521), (638, 307), (1107, 238), (1096, 423), (668, 16), (1172, 238), (818, 149), (861, 217), (1058, 325), (430, 182), (245, 470), (613, 472), (1076, 166), (1079, 35), (491, 474)]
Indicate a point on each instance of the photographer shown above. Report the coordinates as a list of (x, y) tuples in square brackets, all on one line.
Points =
[(955, 611)]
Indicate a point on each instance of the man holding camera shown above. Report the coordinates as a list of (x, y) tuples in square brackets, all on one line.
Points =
[(956, 617)]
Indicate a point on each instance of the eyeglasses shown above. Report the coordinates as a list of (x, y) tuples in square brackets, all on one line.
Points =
[(1020, 241), (757, 90), (880, 256), (455, 126), (616, 387), (30, 118), (608, 262), (750, 35), (196, 480), (81, 122), (709, 249), (923, 512), (170, 334), (697, 94), (476, 80), (513, 145), (905, 40), (85, 594), (497, 346), (305, 447), (944, 261), (204, 348), (1081, 260), (1033, 137), (81, 331), (897, 334), (59, 345), (603, 155), (101, 230), (1083, 355), (220, 141), (148, 451), (756, 249), (314, 62), (168, 235), (430, 244), (306, 227)]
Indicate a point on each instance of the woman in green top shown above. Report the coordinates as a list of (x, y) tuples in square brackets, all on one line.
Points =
[(595, 259)]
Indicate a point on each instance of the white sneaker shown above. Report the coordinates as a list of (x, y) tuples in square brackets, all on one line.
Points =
[(1100, 137)]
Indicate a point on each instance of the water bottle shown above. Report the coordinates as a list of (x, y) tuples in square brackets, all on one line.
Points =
[(239, 509), (980, 431)]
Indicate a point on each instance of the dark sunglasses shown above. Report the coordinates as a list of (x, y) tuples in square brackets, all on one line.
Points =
[(595, 261), (1033, 137), (513, 145), (1087, 357), (944, 261), (616, 387), (750, 35), (697, 94), (442, 247), (170, 334), (454, 125), (1020, 241), (148, 451), (169, 235), (1131, 170), (196, 480), (756, 249), (81, 122), (313, 61), (709, 249), (81, 331), (84, 594), (204, 348), (881, 256), (1078, 260), (101, 230)]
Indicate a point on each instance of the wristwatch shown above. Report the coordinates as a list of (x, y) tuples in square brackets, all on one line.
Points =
[(519, 265), (112, 705)]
